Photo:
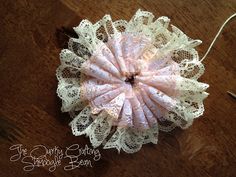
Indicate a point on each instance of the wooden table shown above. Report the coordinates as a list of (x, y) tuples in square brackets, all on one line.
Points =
[(32, 35)]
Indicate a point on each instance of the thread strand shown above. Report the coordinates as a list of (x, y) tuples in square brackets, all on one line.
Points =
[(217, 35)]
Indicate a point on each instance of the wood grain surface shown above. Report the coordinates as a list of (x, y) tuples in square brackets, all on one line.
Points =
[(32, 35)]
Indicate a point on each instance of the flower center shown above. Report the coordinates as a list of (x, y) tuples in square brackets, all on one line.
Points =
[(131, 79)]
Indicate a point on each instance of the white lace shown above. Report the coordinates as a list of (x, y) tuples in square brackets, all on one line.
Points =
[(99, 128)]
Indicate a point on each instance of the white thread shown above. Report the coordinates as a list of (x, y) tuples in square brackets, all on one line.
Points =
[(217, 35)]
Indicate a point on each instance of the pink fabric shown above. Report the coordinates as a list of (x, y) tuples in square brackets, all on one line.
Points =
[(124, 79)]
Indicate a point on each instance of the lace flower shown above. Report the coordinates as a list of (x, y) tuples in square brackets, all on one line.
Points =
[(122, 81)]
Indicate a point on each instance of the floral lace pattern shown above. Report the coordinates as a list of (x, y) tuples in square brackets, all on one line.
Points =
[(123, 81)]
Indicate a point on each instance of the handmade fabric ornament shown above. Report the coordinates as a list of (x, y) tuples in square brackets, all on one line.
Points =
[(122, 81)]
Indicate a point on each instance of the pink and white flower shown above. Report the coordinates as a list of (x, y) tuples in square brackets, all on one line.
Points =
[(122, 81)]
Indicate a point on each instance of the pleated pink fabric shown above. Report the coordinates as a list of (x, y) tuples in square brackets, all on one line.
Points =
[(124, 80)]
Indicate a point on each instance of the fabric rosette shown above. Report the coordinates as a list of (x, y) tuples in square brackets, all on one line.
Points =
[(123, 81)]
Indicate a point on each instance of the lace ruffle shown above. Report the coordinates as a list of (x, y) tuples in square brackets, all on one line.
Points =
[(168, 95)]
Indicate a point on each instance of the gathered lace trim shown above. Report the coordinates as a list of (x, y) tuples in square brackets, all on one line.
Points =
[(167, 40)]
